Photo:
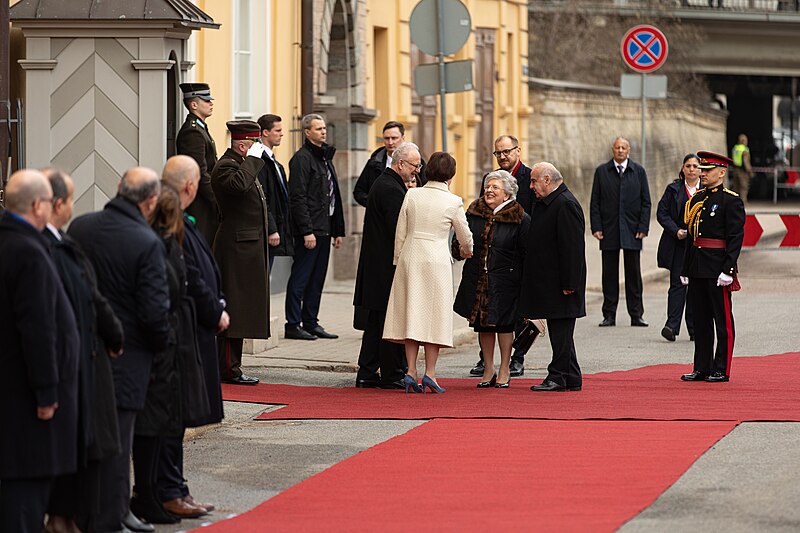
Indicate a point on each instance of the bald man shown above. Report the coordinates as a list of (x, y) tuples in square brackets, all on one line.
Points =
[(130, 262), (39, 358)]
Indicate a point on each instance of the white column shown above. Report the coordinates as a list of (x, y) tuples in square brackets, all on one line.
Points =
[(38, 69), (152, 66)]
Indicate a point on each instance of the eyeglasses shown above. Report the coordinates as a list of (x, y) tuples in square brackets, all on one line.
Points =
[(504, 153), (417, 166), (492, 188)]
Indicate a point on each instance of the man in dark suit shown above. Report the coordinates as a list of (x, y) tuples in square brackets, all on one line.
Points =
[(39, 356), (240, 247), (620, 218), (273, 181), (195, 141), (376, 270), (554, 274), (130, 261), (507, 154)]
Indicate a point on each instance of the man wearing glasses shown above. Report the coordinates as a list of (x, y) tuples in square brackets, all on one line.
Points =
[(507, 153)]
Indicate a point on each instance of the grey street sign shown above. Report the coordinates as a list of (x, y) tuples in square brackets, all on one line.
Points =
[(655, 87), (457, 77), (424, 22)]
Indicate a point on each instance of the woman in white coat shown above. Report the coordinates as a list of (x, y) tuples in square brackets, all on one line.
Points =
[(420, 303)]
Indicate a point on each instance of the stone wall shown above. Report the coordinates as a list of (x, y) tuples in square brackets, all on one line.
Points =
[(573, 126)]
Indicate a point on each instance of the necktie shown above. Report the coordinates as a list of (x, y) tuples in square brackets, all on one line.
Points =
[(620, 170), (331, 193), (280, 176)]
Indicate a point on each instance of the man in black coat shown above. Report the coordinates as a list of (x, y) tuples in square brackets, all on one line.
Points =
[(39, 356), (75, 498), (381, 159), (130, 261), (194, 140), (620, 218), (318, 221), (376, 270), (273, 181), (554, 274)]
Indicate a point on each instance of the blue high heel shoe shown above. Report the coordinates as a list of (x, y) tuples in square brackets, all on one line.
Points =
[(426, 381), (411, 383)]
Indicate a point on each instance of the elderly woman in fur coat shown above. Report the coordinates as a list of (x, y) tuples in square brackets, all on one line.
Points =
[(490, 281)]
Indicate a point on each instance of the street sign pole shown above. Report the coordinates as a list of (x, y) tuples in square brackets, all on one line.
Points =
[(644, 124), (442, 105)]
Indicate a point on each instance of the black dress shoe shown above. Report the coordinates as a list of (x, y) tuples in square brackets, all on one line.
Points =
[(320, 332), (574, 388), (516, 367), (549, 386), (364, 383), (134, 524), (694, 376), (607, 322), (299, 334), (668, 334), (639, 322), (242, 380), (478, 369), (717, 377), (398, 384)]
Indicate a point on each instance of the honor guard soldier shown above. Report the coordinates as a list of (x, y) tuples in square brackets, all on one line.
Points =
[(195, 141), (715, 217)]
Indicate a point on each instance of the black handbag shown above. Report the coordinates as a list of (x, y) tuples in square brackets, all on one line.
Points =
[(530, 331)]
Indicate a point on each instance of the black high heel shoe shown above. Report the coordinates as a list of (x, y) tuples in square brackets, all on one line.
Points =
[(503, 385), (411, 383), (487, 384)]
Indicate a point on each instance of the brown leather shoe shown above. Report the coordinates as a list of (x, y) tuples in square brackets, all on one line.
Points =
[(181, 509), (191, 501)]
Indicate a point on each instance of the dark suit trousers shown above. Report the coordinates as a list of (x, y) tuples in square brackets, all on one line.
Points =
[(115, 477), (377, 353), (23, 503), (171, 483), (677, 299), (229, 350), (304, 288), (77, 495), (713, 312), (564, 368), (633, 283)]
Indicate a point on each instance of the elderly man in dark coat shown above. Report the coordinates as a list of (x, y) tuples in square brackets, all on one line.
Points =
[(554, 274), (620, 218), (240, 247), (39, 356), (130, 262), (376, 270)]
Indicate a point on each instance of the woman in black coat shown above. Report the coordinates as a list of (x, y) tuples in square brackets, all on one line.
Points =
[(672, 246), (489, 289)]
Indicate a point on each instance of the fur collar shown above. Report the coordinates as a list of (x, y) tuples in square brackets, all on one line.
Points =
[(512, 213)]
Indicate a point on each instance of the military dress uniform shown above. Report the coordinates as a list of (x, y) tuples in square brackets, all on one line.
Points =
[(715, 217)]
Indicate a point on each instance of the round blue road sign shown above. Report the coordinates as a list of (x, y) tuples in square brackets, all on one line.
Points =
[(644, 48)]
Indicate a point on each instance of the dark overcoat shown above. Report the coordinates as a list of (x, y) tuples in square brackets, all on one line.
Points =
[(279, 217), (240, 246), (669, 214), (491, 278), (130, 263), (99, 330), (374, 167), (375, 269), (620, 208), (555, 259), (204, 288), (309, 195), (39, 356), (195, 141), (525, 196)]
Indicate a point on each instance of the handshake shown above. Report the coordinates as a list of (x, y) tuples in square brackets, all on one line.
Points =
[(256, 149)]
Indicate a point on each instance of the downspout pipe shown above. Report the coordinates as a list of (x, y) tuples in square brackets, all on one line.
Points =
[(307, 57)]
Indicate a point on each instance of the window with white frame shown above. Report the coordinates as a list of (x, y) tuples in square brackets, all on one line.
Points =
[(242, 53)]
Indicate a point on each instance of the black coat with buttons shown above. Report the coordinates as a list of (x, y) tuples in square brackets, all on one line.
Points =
[(722, 216)]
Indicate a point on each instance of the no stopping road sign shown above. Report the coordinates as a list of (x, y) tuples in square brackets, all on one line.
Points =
[(644, 48)]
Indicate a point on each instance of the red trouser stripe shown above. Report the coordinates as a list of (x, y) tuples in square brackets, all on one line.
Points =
[(726, 302)]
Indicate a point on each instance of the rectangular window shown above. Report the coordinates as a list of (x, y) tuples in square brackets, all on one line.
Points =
[(242, 65)]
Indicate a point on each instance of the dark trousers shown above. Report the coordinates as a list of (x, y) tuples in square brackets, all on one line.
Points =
[(23, 503), (229, 350), (564, 368), (633, 283), (377, 353), (304, 288), (146, 459), (77, 496), (677, 299), (713, 312), (171, 483), (115, 477)]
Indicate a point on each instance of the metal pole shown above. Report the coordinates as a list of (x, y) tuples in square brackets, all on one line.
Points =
[(442, 107), (644, 125)]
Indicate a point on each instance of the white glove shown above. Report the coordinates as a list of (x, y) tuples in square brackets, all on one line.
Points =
[(256, 150), (724, 280), (684, 280)]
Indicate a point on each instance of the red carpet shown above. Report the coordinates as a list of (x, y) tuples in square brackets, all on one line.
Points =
[(762, 389), (569, 476)]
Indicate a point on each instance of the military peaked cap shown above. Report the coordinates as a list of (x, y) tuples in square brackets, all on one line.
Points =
[(196, 90)]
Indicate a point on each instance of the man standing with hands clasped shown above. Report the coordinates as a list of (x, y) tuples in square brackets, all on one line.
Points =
[(715, 217)]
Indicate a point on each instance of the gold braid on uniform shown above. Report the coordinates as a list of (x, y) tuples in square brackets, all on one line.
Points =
[(691, 215)]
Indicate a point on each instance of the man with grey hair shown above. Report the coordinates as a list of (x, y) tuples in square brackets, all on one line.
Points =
[(39, 357), (318, 221), (376, 270), (554, 273), (130, 261)]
